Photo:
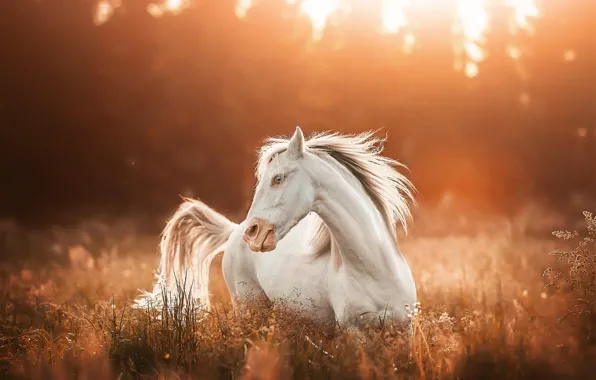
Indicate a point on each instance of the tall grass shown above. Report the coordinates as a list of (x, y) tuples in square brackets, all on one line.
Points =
[(484, 312)]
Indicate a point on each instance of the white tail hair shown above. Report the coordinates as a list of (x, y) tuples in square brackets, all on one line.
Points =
[(190, 241)]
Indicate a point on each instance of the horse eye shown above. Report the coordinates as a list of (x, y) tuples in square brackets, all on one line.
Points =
[(277, 179)]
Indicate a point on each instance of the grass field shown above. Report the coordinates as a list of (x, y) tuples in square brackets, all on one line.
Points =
[(485, 313)]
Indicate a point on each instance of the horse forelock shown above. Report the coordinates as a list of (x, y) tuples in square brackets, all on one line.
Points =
[(390, 191)]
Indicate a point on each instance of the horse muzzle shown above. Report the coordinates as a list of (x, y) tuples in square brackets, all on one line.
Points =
[(259, 235)]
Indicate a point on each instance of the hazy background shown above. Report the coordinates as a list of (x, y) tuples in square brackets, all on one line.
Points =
[(118, 116)]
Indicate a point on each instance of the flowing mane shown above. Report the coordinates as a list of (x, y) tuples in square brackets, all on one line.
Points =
[(360, 154), (196, 234)]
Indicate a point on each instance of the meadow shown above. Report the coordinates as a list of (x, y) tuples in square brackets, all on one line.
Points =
[(485, 310)]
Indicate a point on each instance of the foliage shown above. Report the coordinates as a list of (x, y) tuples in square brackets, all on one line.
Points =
[(580, 280), (130, 114), (483, 313)]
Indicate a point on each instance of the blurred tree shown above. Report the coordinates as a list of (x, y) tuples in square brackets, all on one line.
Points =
[(124, 117)]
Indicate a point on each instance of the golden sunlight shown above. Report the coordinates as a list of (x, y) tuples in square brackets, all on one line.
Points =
[(514, 52), (409, 41), (242, 7), (167, 6), (569, 55), (471, 69), (523, 10), (103, 12), (105, 9), (318, 11), (471, 21), (394, 16), (175, 6)]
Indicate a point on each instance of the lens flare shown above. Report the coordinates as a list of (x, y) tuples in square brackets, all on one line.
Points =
[(523, 11), (103, 12), (471, 21), (173, 4), (514, 52), (409, 41), (105, 9), (570, 55), (167, 6), (242, 8), (318, 11), (471, 69), (472, 24), (394, 15)]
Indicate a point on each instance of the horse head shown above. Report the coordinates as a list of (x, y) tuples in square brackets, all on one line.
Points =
[(285, 194)]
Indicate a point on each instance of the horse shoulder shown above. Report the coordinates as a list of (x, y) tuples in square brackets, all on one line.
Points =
[(359, 298)]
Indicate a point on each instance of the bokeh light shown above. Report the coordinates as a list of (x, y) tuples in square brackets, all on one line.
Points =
[(471, 21)]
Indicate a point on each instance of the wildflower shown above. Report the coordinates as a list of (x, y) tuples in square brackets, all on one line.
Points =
[(444, 318)]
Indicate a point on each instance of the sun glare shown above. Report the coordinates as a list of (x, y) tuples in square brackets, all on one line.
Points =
[(569, 55), (173, 4), (167, 6), (514, 52), (242, 7), (409, 41), (103, 12), (523, 11), (472, 24), (471, 21), (318, 11), (394, 16)]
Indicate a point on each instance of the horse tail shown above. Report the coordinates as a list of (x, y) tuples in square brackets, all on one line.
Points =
[(190, 241)]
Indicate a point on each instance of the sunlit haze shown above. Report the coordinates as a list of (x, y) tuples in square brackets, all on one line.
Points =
[(471, 20), (433, 216)]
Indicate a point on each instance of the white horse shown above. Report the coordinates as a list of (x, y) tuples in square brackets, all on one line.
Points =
[(320, 233)]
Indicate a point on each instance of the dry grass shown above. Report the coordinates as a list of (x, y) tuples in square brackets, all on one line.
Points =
[(485, 313)]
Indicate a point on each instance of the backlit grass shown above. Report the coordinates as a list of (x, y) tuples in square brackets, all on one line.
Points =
[(484, 313)]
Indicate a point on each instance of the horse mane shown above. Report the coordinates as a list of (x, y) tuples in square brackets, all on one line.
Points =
[(390, 191)]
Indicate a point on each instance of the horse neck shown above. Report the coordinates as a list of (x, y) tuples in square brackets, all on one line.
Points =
[(358, 230)]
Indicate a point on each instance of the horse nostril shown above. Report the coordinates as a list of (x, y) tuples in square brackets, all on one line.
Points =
[(252, 230)]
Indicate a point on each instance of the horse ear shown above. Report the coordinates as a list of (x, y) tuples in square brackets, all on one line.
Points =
[(296, 145)]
